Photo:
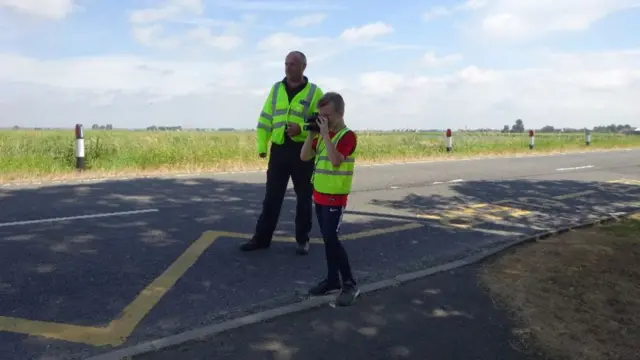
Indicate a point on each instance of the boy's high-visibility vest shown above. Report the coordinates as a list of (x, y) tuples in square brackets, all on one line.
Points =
[(328, 179)]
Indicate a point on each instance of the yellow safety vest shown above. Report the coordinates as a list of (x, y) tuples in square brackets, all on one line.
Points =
[(277, 112), (328, 179)]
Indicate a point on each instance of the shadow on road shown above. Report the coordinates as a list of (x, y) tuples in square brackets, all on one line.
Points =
[(514, 207), (85, 271)]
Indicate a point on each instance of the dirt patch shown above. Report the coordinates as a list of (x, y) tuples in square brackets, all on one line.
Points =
[(577, 296)]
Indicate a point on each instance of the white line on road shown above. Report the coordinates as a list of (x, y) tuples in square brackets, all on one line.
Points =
[(575, 168), (39, 221)]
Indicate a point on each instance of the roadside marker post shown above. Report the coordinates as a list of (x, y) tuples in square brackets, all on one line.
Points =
[(587, 137), (79, 147), (532, 139), (449, 140)]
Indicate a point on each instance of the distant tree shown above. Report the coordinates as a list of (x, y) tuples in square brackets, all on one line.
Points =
[(518, 127), (95, 126), (505, 129)]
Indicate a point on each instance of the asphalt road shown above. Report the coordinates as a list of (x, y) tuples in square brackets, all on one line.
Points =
[(155, 257), (445, 316)]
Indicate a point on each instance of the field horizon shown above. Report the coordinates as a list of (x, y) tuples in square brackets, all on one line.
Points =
[(50, 154)]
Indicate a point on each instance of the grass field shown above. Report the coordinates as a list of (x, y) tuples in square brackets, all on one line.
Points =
[(30, 154)]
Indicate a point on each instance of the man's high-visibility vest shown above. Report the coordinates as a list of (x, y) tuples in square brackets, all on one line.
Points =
[(328, 179), (277, 112)]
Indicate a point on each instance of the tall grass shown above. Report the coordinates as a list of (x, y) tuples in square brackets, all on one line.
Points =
[(29, 153)]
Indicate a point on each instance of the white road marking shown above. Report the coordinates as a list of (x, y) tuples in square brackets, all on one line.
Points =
[(40, 221), (455, 181), (575, 168)]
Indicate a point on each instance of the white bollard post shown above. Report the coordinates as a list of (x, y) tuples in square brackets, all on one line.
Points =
[(79, 147), (449, 139), (587, 137), (532, 139)]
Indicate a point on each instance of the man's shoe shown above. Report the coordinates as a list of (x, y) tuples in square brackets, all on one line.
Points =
[(252, 245), (324, 287), (302, 249), (348, 295)]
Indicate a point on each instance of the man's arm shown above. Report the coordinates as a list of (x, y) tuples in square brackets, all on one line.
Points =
[(345, 147), (265, 125), (309, 147), (313, 107)]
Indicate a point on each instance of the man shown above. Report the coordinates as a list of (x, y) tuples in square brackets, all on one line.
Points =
[(334, 150), (282, 121)]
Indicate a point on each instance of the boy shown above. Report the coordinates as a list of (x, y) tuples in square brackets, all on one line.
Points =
[(333, 150)]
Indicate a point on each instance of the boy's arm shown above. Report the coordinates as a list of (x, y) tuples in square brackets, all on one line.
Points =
[(345, 147), (309, 147)]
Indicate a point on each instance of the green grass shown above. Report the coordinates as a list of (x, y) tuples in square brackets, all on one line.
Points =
[(45, 154)]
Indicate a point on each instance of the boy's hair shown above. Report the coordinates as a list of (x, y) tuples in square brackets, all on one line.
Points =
[(332, 98)]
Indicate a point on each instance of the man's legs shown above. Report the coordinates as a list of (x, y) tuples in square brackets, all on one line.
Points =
[(277, 180), (330, 218), (301, 173)]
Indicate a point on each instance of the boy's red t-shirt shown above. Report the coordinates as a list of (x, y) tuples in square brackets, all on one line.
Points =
[(345, 146)]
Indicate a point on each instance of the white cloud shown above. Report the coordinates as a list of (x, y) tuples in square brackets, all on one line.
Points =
[(571, 89), (48, 9), (530, 18), (430, 59), (366, 32), (439, 11), (149, 27), (245, 5), (126, 75), (167, 10), (436, 11), (307, 20)]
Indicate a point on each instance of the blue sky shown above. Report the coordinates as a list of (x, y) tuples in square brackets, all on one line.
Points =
[(403, 64)]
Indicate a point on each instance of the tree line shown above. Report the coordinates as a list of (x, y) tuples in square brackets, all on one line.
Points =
[(517, 127)]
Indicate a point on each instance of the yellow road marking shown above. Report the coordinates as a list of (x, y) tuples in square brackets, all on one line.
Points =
[(475, 214), (118, 330), (625, 181), (574, 195)]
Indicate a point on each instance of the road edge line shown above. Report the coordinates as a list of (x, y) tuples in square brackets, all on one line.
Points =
[(311, 303)]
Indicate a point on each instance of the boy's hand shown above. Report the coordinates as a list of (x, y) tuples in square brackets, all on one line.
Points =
[(323, 124)]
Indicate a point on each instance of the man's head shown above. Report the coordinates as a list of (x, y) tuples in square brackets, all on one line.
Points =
[(331, 107), (294, 65)]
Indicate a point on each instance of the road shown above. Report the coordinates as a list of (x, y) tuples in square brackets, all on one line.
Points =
[(90, 267)]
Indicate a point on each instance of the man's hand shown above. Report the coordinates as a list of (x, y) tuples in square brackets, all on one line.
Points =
[(323, 124), (263, 155), (293, 129)]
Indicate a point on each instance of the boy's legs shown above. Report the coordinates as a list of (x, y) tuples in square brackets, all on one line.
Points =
[(330, 218), (332, 281)]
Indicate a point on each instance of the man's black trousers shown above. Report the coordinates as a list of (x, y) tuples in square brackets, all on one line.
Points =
[(285, 163)]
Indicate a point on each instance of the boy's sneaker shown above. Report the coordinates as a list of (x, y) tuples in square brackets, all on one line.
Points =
[(302, 249), (324, 287), (348, 295)]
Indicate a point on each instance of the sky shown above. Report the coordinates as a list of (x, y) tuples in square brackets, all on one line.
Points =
[(399, 64)]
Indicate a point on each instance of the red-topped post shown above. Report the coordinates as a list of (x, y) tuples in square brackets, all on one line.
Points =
[(449, 140), (79, 147), (532, 139)]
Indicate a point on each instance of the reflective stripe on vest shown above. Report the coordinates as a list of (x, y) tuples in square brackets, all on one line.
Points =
[(280, 117), (329, 179)]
